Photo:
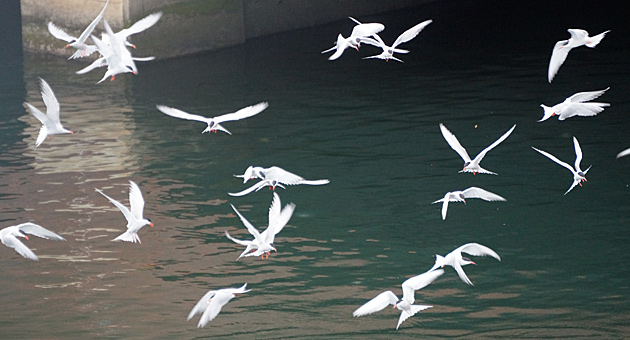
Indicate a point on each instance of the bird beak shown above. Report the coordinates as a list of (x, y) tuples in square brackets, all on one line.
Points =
[(26, 237), (471, 262), (151, 224), (396, 305), (72, 133), (67, 45)]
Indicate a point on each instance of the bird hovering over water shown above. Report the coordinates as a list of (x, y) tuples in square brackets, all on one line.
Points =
[(461, 196), (354, 40), (9, 237), (575, 106), (214, 123), (135, 220), (211, 303), (388, 51), (456, 260), (406, 304), (83, 50), (272, 177), (561, 49), (472, 165), (579, 176), (51, 125)]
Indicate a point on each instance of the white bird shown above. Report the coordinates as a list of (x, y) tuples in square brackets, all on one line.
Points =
[(9, 237), (623, 153), (272, 177), (263, 242), (472, 165), (575, 106), (388, 51), (456, 260), (214, 123), (135, 219), (461, 196), (51, 125), (579, 176), (83, 50), (139, 26), (354, 40), (211, 303), (561, 49), (405, 305)]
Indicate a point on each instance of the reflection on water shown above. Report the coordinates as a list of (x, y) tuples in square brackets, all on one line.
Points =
[(369, 126)]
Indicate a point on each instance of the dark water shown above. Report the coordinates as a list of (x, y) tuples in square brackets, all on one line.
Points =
[(369, 126)]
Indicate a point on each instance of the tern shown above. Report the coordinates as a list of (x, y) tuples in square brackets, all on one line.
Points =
[(135, 220), (112, 56), (83, 50), (50, 121), (354, 40), (388, 51), (139, 26), (456, 260), (214, 123), (575, 106), (405, 305), (272, 177), (472, 165), (263, 242), (561, 49), (461, 196), (211, 303), (579, 176), (9, 237)]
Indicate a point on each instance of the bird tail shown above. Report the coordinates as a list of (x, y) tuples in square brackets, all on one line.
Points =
[(404, 315), (596, 39), (548, 112), (128, 237), (439, 262)]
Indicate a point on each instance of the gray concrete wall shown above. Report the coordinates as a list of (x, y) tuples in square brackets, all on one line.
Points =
[(189, 26)]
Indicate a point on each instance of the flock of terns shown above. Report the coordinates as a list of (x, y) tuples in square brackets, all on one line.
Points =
[(114, 54)]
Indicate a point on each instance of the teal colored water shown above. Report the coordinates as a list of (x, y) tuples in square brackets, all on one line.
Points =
[(369, 126)]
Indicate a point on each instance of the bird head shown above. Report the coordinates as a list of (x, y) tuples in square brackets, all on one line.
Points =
[(466, 261)]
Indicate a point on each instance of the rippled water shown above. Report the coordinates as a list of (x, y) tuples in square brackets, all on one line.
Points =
[(369, 126)]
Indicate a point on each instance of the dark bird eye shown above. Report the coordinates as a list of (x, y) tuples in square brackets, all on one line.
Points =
[(466, 259), (130, 68)]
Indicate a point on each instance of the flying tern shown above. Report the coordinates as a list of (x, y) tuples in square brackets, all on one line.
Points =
[(472, 165), (354, 40), (214, 123), (9, 237), (575, 106), (51, 125), (461, 196), (83, 50), (135, 220), (579, 176), (263, 242), (561, 49), (406, 304), (456, 260), (272, 177), (211, 303), (388, 51)]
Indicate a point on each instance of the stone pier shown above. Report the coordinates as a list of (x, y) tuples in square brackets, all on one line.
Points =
[(189, 26)]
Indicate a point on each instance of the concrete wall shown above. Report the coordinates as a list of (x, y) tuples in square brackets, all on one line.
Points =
[(189, 26)]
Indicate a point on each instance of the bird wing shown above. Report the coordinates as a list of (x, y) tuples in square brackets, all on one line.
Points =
[(242, 113), (558, 56), (476, 249), (201, 306), (100, 62), (52, 105), (553, 158), (20, 248), (282, 176), (418, 282), (39, 231), (366, 30), (378, 303), (88, 30), (454, 143), (128, 215), (252, 230), (482, 154), (254, 187), (246, 243), (623, 153), (461, 273), (374, 42), (578, 154), (404, 315), (39, 115), (586, 96), (445, 207), (578, 34), (474, 192), (140, 25), (59, 33), (278, 217), (411, 33), (181, 114), (581, 109), (136, 201)]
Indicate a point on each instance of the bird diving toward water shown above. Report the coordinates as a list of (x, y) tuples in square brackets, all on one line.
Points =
[(457, 261), (461, 196), (51, 125), (211, 303), (354, 40), (134, 216), (272, 177), (388, 51), (561, 49)]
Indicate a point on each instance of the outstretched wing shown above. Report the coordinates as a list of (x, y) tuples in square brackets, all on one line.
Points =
[(378, 303), (140, 25), (201, 306), (474, 192), (553, 158), (181, 114), (136, 201), (586, 96), (482, 154), (242, 113), (418, 282), (454, 143), (411, 33), (476, 249), (88, 30), (39, 231), (59, 33), (558, 56), (128, 215), (252, 230), (52, 105)]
